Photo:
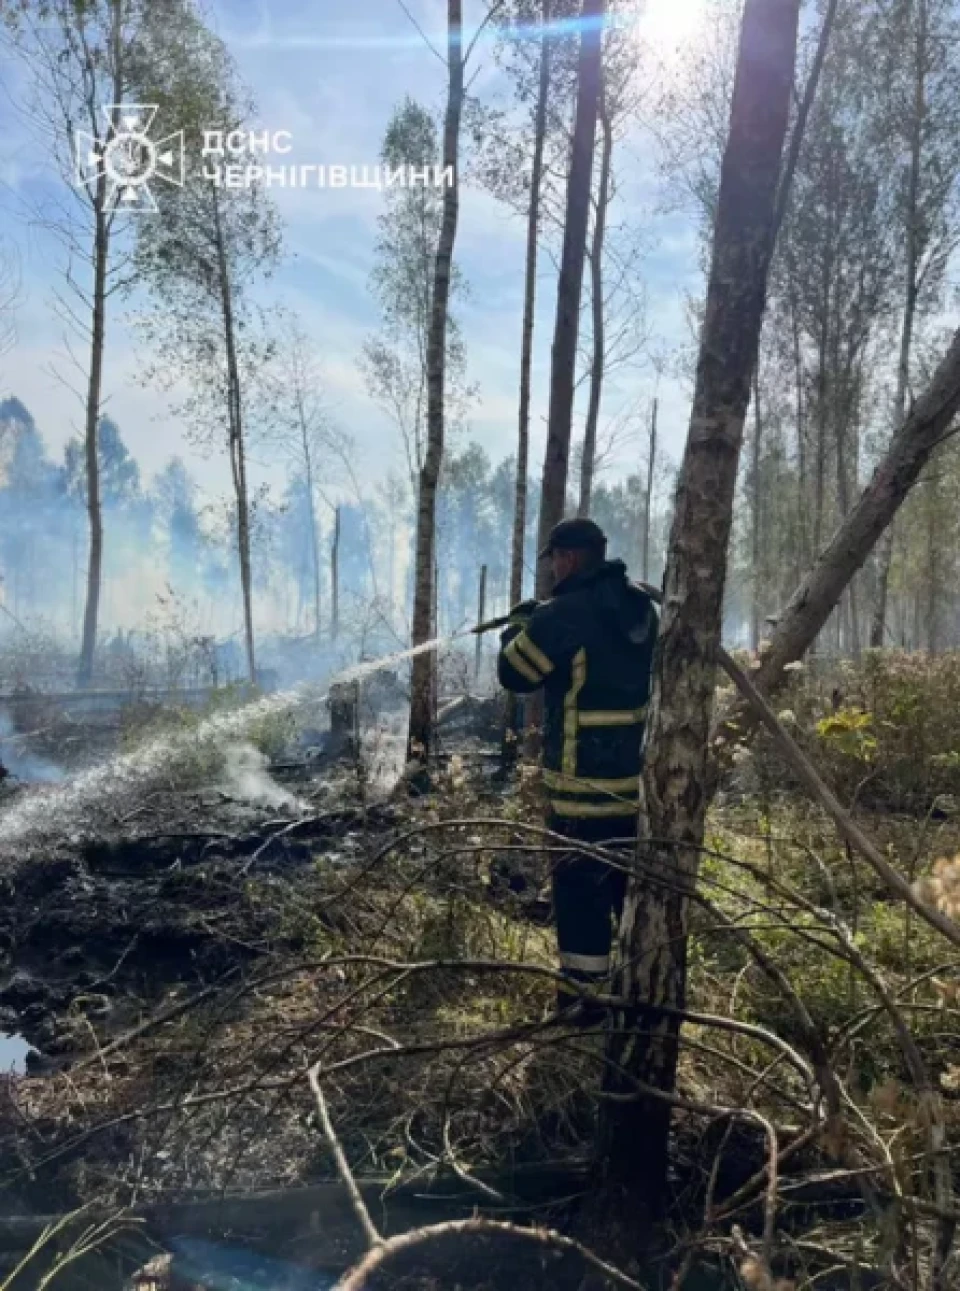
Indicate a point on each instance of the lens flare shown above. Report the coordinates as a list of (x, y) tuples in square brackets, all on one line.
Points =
[(668, 26)]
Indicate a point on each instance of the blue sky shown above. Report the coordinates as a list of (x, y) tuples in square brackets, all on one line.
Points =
[(331, 74)]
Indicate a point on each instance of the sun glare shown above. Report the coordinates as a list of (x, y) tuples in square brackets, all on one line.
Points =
[(667, 26)]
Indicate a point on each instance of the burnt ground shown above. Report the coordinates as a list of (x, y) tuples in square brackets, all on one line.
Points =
[(100, 935), (180, 962)]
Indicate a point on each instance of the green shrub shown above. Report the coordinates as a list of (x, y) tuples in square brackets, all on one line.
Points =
[(886, 729)]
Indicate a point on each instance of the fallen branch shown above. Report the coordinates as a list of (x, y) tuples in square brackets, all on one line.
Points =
[(374, 1240), (357, 1279)]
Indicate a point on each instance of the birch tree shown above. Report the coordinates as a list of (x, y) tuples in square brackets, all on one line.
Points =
[(201, 259), (81, 57), (424, 608), (394, 362), (655, 924)]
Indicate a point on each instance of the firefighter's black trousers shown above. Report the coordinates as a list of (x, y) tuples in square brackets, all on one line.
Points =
[(588, 893)]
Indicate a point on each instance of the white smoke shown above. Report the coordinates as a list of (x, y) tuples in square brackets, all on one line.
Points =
[(21, 764), (245, 777), (82, 799)]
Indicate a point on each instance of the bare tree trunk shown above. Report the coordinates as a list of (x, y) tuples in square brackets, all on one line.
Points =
[(563, 360), (654, 930), (648, 494), (101, 251), (529, 312), (588, 463), (335, 578), (821, 445), (312, 514), (755, 492), (481, 615), (934, 562), (526, 355), (849, 625), (878, 625), (420, 732), (238, 452), (435, 632), (911, 447), (885, 554), (803, 533), (101, 255)]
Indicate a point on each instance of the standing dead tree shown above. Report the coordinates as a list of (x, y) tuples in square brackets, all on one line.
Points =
[(570, 282), (588, 461)]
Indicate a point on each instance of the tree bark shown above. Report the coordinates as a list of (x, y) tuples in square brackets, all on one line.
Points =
[(755, 492), (885, 554), (926, 426), (634, 1134), (238, 451), (421, 685), (588, 463), (563, 360)]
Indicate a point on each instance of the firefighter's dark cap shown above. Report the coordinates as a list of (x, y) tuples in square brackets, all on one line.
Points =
[(575, 535)]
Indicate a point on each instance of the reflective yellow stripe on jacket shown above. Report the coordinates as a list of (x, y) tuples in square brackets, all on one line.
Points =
[(571, 715), (623, 794), (613, 716), (587, 810), (528, 659), (624, 791), (590, 784)]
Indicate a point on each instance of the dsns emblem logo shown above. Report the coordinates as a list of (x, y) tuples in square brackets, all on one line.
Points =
[(128, 158)]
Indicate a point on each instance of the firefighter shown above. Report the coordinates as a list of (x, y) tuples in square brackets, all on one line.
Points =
[(590, 646)]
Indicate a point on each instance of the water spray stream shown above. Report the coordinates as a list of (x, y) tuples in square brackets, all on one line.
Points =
[(43, 812)]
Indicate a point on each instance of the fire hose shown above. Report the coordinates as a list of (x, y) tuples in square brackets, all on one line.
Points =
[(490, 624)]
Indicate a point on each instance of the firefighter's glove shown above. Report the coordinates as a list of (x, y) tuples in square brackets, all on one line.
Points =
[(520, 615)]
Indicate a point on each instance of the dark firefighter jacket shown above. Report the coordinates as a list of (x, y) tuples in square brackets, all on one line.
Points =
[(591, 649)]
